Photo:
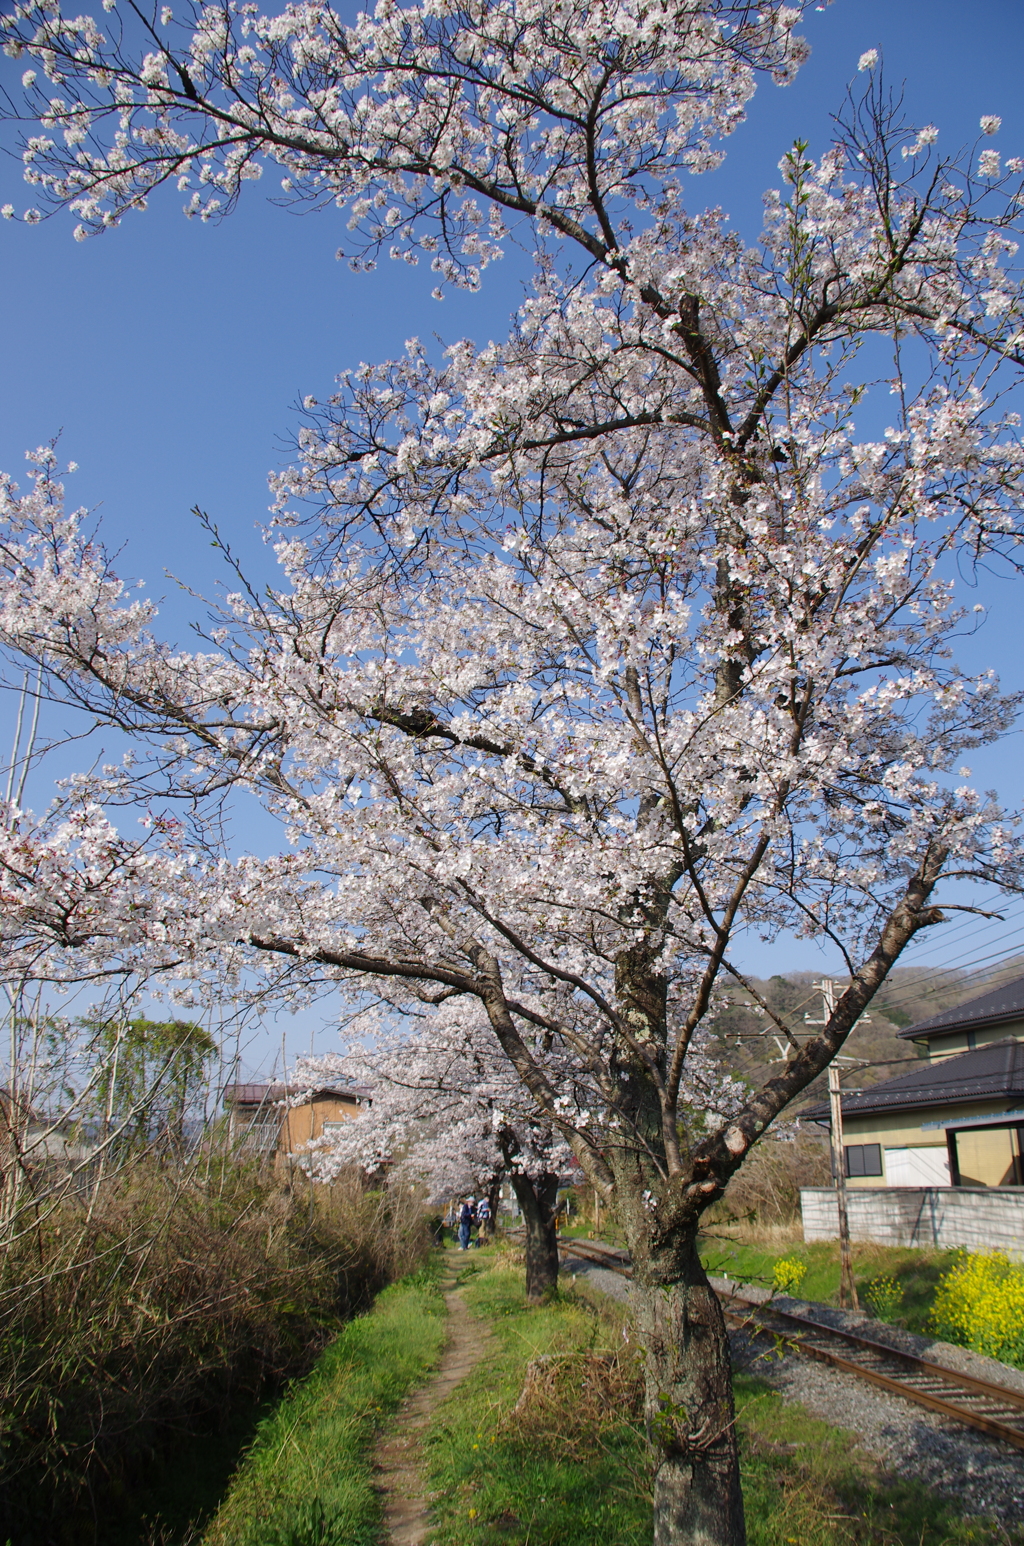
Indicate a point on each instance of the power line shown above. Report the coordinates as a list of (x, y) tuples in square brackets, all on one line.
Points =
[(966, 929), (942, 937), (903, 989)]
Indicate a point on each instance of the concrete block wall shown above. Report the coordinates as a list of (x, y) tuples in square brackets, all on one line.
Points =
[(976, 1217)]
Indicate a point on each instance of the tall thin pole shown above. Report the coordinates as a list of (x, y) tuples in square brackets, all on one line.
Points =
[(847, 1287)]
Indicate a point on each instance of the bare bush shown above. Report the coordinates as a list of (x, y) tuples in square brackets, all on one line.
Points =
[(767, 1189), (569, 1400), (156, 1307)]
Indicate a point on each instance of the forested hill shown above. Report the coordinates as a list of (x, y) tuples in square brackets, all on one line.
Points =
[(748, 1042)]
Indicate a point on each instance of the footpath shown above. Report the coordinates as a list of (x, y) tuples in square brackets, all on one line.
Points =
[(399, 1460)]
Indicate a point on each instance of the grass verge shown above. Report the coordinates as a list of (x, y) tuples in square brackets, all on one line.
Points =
[(916, 1272), (502, 1480), (306, 1479), (571, 1467)]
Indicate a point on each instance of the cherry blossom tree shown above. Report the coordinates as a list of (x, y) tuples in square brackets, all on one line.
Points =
[(598, 649), (449, 1110)]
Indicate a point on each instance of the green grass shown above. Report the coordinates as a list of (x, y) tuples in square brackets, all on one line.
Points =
[(805, 1483), (917, 1272), (572, 1469), (558, 1477), (494, 1485), (306, 1479)]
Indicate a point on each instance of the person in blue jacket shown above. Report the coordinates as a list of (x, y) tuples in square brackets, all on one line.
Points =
[(465, 1223)]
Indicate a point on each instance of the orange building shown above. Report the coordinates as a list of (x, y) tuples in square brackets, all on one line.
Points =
[(261, 1119)]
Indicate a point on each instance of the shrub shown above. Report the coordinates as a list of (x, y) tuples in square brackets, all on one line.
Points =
[(980, 1304), (767, 1185), (155, 1307)]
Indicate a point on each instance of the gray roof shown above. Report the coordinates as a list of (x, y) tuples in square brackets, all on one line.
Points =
[(995, 1072), (992, 1008), (272, 1094)]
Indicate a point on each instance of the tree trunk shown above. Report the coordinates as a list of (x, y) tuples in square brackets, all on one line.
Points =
[(689, 1401), (493, 1201), (538, 1201)]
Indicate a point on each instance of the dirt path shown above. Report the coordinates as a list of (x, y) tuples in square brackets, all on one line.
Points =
[(399, 1459)]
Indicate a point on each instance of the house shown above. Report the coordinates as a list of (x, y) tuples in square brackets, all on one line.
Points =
[(958, 1118), (37, 1147), (992, 1017), (261, 1120)]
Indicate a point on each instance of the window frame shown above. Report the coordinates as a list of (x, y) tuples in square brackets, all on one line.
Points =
[(862, 1150)]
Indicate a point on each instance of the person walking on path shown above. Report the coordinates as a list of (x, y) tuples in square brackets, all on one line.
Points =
[(483, 1218), (465, 1223)]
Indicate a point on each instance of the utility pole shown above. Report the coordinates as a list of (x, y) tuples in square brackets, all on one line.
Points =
[(847, 1287)]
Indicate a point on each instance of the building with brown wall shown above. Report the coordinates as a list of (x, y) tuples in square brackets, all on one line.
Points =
[(262, 1120)]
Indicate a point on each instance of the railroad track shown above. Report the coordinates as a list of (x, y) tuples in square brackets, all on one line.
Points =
[(599, 1255), (992, 1409)]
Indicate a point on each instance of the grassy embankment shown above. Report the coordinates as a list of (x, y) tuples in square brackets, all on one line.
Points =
[(748, 1254), (750, 1257), (306, 1480), (570, 1467)]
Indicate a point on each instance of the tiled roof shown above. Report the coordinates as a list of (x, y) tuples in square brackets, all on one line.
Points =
[(995, 1072), (991, 1008), (254, 1094)]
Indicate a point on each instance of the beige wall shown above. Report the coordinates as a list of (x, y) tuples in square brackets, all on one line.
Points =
[(903, 1130), (304, 1123), (986, 1157), (940, 1047)]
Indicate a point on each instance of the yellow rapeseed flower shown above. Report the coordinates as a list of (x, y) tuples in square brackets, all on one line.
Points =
[(980, 1304), (788, 1274)]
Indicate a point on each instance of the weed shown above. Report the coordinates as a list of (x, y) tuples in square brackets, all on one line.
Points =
[(544, 1445), (156, 1310)]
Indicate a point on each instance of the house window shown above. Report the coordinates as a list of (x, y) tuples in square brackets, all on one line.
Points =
[(988, 1156), (863, 1159)]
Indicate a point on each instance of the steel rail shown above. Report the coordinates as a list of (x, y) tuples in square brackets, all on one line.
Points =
[(759, 1317), (609, 1256), (1000, 1393), (904, 1386)]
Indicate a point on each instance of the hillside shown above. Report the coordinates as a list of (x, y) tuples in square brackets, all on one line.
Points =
[(750, 1045)]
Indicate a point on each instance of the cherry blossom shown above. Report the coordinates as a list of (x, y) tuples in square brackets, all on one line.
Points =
[(448, 1110), (596, 650)]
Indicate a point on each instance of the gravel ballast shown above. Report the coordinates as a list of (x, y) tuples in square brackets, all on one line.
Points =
[(985, 1476)]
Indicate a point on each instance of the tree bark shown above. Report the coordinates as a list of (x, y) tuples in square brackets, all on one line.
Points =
[(493, 1201), (689, 1401), (538, 1200)]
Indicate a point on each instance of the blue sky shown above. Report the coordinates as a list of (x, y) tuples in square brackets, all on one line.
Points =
[(170, 354)]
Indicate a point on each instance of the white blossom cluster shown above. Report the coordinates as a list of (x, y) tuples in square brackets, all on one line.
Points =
[(596, 648), (472, 113), (445, 1109)]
